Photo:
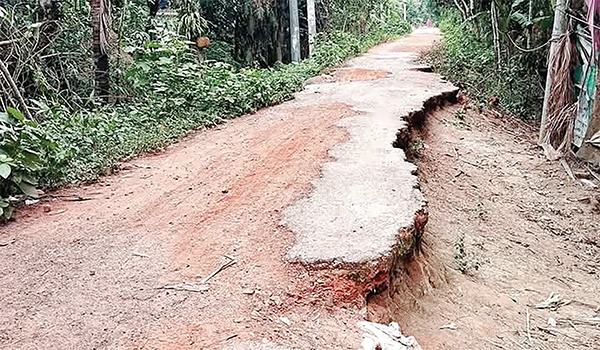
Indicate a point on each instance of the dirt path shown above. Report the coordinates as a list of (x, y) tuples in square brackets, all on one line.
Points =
[(88, 269), (118, 264), (531, 230)]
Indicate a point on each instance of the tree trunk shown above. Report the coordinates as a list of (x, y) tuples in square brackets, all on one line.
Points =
[(101, 84), (496, 32), (49, 11), (294, 30), (559, 29), (312, 26)]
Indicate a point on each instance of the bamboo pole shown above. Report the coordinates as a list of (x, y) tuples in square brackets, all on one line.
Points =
[(558, 30)]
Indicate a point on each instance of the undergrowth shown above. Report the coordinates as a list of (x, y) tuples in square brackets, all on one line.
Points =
[(178, 94), (466, 57), (464, 261)]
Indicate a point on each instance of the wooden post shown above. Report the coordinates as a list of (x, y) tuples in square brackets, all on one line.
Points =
[(295, 30), (312, 25), (559, 28)]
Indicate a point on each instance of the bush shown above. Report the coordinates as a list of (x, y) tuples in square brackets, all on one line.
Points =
[(19, 160), (467, 59), (176, 94)]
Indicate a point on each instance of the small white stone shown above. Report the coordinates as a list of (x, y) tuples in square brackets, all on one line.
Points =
[(285, 320)]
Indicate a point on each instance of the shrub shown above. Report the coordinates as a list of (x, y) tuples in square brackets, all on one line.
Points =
[(177, 93), (467, 59), (21, 144)]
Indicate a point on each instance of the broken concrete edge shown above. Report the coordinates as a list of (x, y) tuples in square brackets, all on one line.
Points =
[(375, 276), (417, 119)]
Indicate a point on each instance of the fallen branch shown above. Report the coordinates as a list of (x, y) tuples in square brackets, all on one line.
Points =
[(553, 302), (71, 198), (7, 42), (528, 328), (567, 168), (595, 321), (556, 332), (15, 89), (593, 173), (7, 243), (495, 344), (58, 212), (518, 344), (473, 164)]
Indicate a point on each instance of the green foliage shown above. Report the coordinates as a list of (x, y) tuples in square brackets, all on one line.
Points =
[(417, 147), (191, 23), (359, 16), (421, 10), (21, 147), (220, 51), (466, 57), (178, 93)]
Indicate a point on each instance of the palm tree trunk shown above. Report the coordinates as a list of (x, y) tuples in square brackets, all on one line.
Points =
[(101, 84)]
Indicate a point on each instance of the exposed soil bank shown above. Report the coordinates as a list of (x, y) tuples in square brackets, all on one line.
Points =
[(518, 226)]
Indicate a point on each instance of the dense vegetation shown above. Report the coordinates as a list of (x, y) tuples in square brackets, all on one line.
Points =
[(497, 49), (92, 85)]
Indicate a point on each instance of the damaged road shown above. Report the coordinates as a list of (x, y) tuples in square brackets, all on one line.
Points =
[(270, 229)]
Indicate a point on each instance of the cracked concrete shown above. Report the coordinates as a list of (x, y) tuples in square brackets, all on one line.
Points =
[(365, 202)]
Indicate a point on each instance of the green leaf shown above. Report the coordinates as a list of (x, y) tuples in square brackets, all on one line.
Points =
[(521, 19), (31, 123), (32, 158), (28, 189), (1, 212), (517, 3), (4, 203), (30, 180), (15, 114), (5, 170)]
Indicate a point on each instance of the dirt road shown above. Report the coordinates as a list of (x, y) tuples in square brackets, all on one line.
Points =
[(275, 211), (119, 264)]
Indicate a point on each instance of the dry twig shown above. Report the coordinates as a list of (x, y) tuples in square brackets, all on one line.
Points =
[(231, 262), (15, 89), (528, 328)]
